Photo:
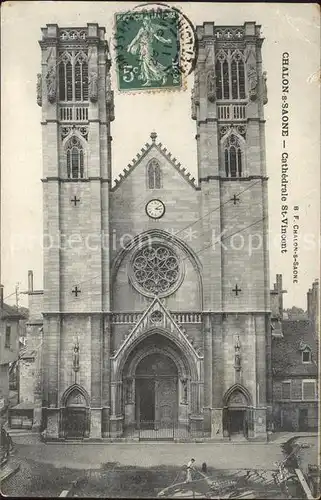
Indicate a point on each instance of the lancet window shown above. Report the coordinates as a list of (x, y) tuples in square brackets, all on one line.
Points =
[(75, 159), (230, 75), (233, 156), (73, 76), (154, 175)]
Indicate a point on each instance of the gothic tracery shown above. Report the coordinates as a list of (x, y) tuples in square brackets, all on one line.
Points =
[(233, 156), (156, 269)]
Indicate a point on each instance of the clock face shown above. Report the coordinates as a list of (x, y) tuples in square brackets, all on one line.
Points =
[(155, 209)]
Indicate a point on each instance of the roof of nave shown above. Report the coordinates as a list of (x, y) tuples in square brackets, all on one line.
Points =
[(167, 155)]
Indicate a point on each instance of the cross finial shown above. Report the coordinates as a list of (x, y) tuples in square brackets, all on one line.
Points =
[(153, 136)]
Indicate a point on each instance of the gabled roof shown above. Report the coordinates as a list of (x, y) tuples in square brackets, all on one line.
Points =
[(12, 312), (166, 321), (167, 155), (287, 350)]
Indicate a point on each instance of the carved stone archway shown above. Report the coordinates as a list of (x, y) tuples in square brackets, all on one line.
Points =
[(187, 378), (75, 417), (238, 412), (74, 392)]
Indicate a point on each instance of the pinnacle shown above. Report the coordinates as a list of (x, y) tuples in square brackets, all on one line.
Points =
[(153, 136)]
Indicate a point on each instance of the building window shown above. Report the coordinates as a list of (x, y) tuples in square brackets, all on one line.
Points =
[(75, 159), (308, 390), (286, 389), (73, 76), (233, 156), (154, 175), (306, 355), (8, 336), (230, 75)]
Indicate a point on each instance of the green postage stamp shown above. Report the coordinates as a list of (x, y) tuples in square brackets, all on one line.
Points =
[(148, 50)]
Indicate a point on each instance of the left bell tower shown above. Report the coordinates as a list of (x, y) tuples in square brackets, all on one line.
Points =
[(74, 92)]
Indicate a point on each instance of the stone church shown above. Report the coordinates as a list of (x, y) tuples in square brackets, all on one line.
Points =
[(155, 311)]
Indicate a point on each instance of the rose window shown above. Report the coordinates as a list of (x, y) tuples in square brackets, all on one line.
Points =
[(156, 269)]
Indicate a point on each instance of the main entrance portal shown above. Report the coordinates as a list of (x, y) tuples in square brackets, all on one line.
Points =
[(156, 382)]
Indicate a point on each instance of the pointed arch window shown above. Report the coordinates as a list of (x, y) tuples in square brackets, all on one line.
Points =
[(233, 158), (73, 76), (230, 75), (154, 175), (75, 159)]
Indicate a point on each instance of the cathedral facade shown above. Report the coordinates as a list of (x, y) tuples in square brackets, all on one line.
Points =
[(156, 285)]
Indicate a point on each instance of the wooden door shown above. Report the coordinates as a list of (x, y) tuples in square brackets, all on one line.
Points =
[(166, 400), (75, 422)]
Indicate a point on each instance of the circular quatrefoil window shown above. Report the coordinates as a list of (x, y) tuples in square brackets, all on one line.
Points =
[(156, 270)]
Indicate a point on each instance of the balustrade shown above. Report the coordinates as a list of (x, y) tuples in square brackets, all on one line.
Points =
[(181, 317), (68, 113), (231, 112)]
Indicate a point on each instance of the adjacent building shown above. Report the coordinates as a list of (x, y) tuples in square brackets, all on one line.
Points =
[(10, 318), (26, 413), (295, 364)]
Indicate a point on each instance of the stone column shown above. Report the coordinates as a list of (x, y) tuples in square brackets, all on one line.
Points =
[(37, 416), (129, 401), (217, 423), (208, 378), (97, 335), (259, 417), (194, 397), (218, 370), (95, 423), (113, 391), (52, 431), (208, 374), (105, 397)]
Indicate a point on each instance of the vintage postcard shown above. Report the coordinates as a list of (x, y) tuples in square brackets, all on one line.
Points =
[(160, 300)]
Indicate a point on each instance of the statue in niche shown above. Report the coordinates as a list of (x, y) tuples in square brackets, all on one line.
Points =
[(252, 80), (110, 98), (51, 84), (264, 85), (75, 358), (93, 86), (184, 390), (39, 89), (210, 83), (237, 358)]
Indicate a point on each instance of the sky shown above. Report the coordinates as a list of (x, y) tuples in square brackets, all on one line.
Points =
[(291, 28)]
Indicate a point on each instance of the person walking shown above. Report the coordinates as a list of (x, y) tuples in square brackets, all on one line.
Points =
[(190, 468)]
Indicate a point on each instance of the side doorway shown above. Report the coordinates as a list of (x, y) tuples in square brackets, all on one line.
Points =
[(237, 413), (75, 414)]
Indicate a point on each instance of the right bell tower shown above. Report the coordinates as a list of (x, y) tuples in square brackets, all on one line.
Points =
[(228, 101)]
